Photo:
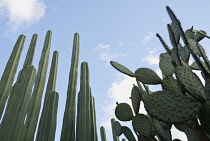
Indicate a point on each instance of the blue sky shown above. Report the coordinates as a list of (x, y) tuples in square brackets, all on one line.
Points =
[(121, 31)]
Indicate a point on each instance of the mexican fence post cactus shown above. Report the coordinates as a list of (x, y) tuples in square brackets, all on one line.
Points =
[(35, 102), (68, 128), (9, 72), (47, 123)]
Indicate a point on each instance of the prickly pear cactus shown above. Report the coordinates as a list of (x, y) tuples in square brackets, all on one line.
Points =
[(123, 112), (183, 100)]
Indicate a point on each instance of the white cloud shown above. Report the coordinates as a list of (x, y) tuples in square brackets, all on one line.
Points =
[(152, 58), (104, 53), (148, 37), (21, 13)]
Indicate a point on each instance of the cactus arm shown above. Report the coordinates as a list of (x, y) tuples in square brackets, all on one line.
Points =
[(13, 121), (43, 124), (164, 44), (9, 72), (115, 138), (30, 53), (177, 24), (48, 126), (103, 134), (35, 102), (68, 128)]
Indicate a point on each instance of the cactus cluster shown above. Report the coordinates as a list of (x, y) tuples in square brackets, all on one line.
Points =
[(21, 117), (183, 100)]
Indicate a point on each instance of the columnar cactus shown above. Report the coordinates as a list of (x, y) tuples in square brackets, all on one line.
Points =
[(36, 98), (68, 128), (183, 99), (47, 123), (20, 119), (9, 72)]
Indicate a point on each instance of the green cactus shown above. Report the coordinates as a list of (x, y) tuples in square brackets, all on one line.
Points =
[(35, 102), (103, 134), (183, 99), (9, 72), (135, 99), (115, 136), (142, 125), (47, 123), (123, 112), (147, 76), (68, 128)]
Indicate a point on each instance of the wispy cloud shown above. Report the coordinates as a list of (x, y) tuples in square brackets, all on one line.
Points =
[(21, 13), (152, 58), (105, 54), (148, 37)]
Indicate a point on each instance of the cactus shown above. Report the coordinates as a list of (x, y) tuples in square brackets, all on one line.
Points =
[(35, 102), (103, 134), (9, 72), (115, 136), (183, 99), (20, 119), (68, 128), (47, 124)]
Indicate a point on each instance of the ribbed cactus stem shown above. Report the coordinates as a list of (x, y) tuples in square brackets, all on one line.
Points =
[(103, 134), (46, 116), (68, 128), (13, 121), (115, 138), (84, 119), (94, 136), (47, 128), (9, 72), (30, 53), (35, 102)]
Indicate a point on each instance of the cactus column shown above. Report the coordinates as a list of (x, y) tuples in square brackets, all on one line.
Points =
[(13, 122), (9, 72), (86, 124), (68, 128), (47, 124), (36, 98)]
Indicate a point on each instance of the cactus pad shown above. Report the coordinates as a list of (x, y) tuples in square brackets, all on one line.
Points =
[(123, 112), (142, 125), (128, 134), (199, 36), (169, 107), (171, 84), (117, 128), (191, 83), (147, 76), (122, 69), (204, 117), (185, 54), (165, 64), (135, 99)]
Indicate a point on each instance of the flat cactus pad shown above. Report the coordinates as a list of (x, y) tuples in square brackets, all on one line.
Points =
[(169, 107)]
